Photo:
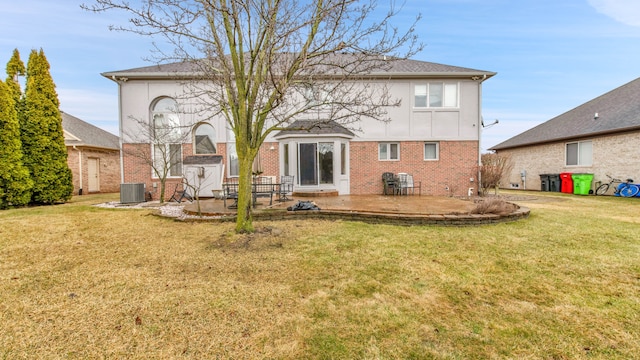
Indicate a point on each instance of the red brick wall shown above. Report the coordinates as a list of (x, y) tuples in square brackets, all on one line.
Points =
[(137, 170), (270, 160), (453, 171), (457, 163), (109, 161)]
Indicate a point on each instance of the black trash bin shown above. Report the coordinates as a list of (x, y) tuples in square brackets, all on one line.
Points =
[(544, 182), (554, 182)]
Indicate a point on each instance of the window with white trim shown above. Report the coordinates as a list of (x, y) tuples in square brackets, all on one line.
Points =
[(388, 151), (436, 95), (431, 150), (579, 153), (233, 168), (204, 139), (167, 148), (168, 156)]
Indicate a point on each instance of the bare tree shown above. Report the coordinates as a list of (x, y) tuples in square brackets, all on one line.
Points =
[(261, 64), (194, 186), (158, 145), (493, 168)]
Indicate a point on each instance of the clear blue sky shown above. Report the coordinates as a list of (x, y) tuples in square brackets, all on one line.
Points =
[(550, 55)]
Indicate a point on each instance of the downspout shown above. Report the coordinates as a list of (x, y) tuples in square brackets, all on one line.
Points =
[(120, 131), (479, 176)]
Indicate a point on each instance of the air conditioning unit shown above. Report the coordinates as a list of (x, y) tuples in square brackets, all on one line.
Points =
[(131, 193)]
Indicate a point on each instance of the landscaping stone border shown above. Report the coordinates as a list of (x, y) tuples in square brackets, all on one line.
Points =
[(521, 212)]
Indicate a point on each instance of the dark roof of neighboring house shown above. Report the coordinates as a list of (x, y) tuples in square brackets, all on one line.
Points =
[(380, 67), (618, 111), (313, 127), (81, 133)]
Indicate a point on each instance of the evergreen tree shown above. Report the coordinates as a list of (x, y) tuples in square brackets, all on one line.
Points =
[(15, 183), (15, 68), (45, 154)]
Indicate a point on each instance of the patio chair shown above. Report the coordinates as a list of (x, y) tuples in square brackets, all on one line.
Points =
[(262, 180), (180, 193), (389, 183), (230, 191), (406, 183), (286, 187)]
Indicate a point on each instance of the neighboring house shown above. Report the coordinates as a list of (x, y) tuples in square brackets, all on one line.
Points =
[(434, 134), (598, 137), (93, 156)]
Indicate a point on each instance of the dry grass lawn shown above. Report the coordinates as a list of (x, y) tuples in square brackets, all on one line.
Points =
[(81, 282)]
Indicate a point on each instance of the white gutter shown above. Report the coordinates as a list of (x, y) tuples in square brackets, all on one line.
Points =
[(131, 75), (119, 80), (120, 132)]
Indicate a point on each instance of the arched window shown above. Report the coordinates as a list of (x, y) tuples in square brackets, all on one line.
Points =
[(204, 139), (166, 123), (167, 146)]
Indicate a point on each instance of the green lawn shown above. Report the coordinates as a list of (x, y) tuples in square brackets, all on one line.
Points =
[(78, 282)]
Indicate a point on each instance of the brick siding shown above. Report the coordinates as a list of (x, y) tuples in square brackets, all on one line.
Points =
[(454, 169), (450, 175), (109, 168), (612, 155), (137, 170)]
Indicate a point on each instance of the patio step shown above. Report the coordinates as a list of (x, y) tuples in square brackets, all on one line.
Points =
[(315, 193)]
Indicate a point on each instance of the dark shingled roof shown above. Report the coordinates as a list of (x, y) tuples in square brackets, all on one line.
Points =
[(313, 127), (81, 133), (618, 111), (395, 67), (202, 160)]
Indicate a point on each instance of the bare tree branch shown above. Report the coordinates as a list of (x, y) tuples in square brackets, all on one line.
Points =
[(255, 61)]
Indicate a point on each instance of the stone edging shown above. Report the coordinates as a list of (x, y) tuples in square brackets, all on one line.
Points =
[(380, 218)]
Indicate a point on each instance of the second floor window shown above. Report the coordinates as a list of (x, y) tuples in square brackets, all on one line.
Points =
[(166, 123), (436, 95), (204, 139), (167, 146)]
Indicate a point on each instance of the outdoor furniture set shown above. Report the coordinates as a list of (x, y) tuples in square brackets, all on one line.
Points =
[(261, 187), (401, 184)]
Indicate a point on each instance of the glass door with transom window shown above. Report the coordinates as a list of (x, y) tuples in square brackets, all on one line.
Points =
[(315, 163)]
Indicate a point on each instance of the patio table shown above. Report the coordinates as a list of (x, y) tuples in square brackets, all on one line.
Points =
[(230, 191)]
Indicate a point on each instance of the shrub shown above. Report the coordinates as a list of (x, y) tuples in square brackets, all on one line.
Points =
[(493, 206)]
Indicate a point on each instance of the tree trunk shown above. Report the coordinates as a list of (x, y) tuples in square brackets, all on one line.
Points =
[(163, 185), (244, 220)]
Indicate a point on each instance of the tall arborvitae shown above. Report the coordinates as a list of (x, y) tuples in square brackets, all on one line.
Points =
[(15, 68), (15, 183), (45, 154)]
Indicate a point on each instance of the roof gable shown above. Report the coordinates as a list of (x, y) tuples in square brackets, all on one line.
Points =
[(81, 133), (617, 111)]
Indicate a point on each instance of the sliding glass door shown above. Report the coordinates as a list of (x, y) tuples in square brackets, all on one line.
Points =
[(315, 163), (307, 164)]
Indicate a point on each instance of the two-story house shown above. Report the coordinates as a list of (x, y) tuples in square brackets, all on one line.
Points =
[(433, 134)]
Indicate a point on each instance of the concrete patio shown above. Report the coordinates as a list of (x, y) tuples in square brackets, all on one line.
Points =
[(415, 205), (378, 209), (399, 210)]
